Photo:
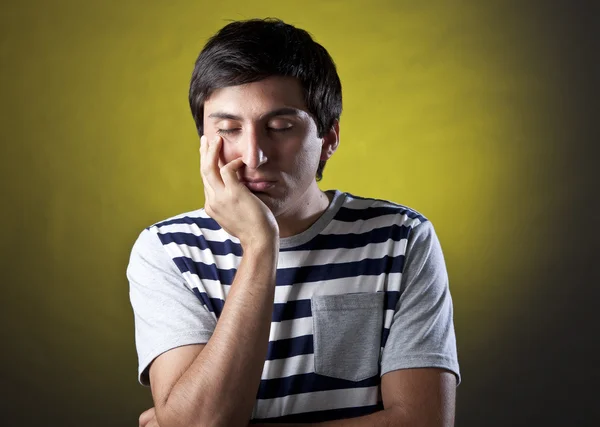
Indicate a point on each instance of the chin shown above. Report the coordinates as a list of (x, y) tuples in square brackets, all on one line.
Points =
[(274, 204)]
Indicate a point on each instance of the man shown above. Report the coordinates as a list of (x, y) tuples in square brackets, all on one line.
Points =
[(278, 302)]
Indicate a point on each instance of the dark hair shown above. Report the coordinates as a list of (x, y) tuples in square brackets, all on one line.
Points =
[(252, 50)]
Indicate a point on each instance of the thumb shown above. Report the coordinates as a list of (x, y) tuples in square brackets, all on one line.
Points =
[(146, 417), (228, 172)]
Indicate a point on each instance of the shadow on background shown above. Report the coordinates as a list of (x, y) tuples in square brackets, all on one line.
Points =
[(481, 115)]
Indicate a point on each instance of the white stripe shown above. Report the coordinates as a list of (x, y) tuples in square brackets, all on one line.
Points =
[(198, 213), (213, 235), (224, 262), (387, 320), (358, 204), (180, 228), (337, 227), (212, 288), (296, 365), (293, 259), (339, 256), (344, 285), (291, 329), (316, 401), (304, 291)]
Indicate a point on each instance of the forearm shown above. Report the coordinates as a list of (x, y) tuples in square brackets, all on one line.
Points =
[(219, 388), (385, 418)]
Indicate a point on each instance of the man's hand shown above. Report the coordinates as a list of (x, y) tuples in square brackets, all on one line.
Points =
[(148, 418), (229, 202)]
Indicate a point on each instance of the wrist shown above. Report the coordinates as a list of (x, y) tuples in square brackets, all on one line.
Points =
[(259, 261), (264, 243), (263, 246)]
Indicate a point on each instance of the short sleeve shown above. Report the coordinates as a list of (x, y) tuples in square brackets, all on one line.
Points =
[(422, 330), (167, 313)]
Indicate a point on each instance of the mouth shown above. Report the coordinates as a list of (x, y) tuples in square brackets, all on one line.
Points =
[(259, 185)]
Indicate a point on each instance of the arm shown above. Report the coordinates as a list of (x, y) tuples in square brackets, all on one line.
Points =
[(216, 384), (419, 363), (411, 398)]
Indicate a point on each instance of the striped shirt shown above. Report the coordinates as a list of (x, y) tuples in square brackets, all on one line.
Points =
[(362, 292)]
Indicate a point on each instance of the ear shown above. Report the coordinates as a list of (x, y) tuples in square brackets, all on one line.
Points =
[(331, 140)]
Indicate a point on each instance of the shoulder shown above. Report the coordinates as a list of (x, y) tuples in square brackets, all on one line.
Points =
[(196, 223), (153, 237), (357, 208), (192, 219)]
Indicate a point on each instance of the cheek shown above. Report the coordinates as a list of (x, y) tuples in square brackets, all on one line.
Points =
[(228, 153), (229, 149), (305, 160)]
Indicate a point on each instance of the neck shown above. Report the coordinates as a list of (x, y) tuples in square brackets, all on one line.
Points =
[(305, 213)]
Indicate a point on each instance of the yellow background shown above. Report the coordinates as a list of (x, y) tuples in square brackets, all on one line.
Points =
[(474, 113)]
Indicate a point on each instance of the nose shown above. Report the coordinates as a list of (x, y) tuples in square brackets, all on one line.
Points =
[(252, 153)]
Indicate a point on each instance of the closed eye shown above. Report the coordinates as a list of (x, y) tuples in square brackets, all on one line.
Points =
[(231, 131), (280, 129), (226, 131)]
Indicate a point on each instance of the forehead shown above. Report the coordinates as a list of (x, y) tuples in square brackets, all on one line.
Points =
[(257, 97)]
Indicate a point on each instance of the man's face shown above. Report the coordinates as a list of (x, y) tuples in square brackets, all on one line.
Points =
[(267, 124)]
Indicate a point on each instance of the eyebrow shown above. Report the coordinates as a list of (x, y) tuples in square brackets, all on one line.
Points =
[(285, 111)]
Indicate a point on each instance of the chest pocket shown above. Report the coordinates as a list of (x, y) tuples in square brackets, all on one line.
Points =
[(347, 334)]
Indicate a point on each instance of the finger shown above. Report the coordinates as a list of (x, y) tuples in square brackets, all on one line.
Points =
[(210, 168), (203, 161), (228, 172), (202, 144), (153, 423), (146, 416), (203, 153), (220, 155)]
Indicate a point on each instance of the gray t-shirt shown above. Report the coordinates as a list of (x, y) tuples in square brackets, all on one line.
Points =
[(362, 292)]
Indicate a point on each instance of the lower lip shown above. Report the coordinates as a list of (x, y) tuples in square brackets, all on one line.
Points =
[(259, 186)]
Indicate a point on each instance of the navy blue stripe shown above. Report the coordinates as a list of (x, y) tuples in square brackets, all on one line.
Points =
[(316, 273), (320, 242), (207, 223), (291, 276), (285, 310), (391, 300), (291, 310), (322, 416), (306, 383), (205, 271), (388, 202), (213, 304), (216, 248), (384, 336), (351, 241), (350, 215), (290, 347), (281, 311)]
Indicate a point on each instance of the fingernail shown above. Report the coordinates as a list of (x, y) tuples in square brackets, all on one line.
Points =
[(202, 140)]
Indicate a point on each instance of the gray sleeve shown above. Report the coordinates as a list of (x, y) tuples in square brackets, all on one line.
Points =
[(167, 313), (422, 330)]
